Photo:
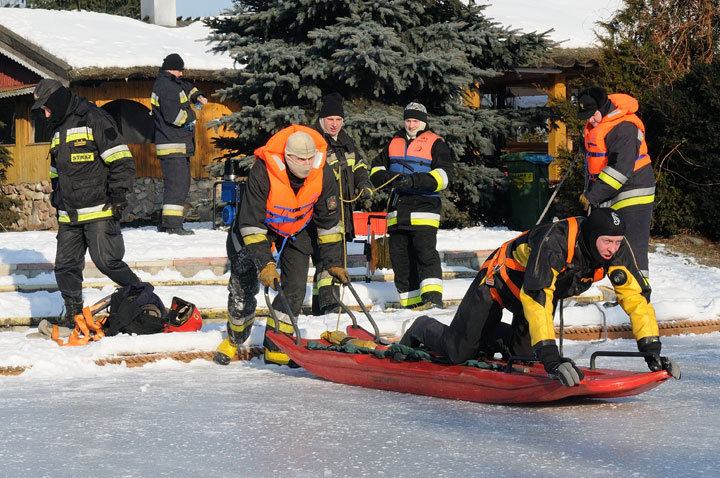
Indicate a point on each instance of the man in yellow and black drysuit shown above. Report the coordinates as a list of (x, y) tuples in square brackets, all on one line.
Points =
[(527, 276)]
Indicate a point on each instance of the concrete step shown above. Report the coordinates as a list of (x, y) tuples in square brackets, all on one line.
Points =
[(219, 265), (52, 286)]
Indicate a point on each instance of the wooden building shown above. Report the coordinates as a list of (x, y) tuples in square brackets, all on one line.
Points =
[(88, 52)]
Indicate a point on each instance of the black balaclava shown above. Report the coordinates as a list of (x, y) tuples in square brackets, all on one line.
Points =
[(58, 103), (601, 222)]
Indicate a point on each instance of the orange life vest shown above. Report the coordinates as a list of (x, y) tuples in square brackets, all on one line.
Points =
[(288, 213), (415, 157), (499, 262), (596, 155)]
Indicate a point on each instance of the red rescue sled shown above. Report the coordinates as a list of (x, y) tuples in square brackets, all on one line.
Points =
[(526, 383), (516, 383)]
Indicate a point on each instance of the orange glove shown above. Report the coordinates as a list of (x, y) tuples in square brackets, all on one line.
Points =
[(269, 275), (340, 273)]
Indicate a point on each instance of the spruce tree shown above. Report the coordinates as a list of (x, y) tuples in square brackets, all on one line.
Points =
[(379, 55)]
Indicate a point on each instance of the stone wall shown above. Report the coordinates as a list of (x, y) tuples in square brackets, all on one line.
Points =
[(144, 203)]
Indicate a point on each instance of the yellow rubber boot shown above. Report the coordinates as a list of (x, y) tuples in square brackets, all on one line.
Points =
[(225, 352)]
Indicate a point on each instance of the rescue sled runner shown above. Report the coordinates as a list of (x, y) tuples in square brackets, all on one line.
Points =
[(519, 380)]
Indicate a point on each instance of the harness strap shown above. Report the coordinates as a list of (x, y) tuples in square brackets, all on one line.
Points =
[(86, 329)]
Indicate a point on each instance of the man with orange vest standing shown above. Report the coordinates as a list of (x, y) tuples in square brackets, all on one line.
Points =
[(289, 185), (527, 276), (421, 163), (619, 173)]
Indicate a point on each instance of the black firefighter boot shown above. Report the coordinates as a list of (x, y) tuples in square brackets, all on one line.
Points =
[(65, 323)]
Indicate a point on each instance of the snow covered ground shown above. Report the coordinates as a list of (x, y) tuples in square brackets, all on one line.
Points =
[(67, 416)]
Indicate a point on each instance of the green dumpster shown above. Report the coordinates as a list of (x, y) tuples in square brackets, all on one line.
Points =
[(529, 189)]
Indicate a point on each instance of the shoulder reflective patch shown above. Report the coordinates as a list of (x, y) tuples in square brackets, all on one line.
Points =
[(82, 157)]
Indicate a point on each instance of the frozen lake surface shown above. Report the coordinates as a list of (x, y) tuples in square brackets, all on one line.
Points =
[(248, 419)]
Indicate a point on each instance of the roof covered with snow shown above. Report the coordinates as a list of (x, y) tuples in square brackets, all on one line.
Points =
[(90, 44)]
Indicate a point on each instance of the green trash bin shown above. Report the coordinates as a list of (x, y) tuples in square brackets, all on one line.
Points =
[(529, 187)]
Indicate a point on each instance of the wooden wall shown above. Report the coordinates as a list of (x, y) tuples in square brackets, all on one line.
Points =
[(31, 160)]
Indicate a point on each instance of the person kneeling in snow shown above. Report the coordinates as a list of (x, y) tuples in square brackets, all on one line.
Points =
[(289, 185), (527, 276)]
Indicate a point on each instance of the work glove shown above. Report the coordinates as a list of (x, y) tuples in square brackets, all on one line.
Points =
[(560, 368), (657, 363), (584, 201), (268, 277), (365, 188), (403, 181), (118, 205), (340, 273)]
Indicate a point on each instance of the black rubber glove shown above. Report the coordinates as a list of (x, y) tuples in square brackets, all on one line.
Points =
[(561, 368), (366, 189), (657, 363), (403, 181), (118, 204)]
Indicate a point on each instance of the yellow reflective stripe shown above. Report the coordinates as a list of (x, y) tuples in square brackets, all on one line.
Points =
[(79, 136), (165, 149), (95, 215), (118, 152), (193, 91), (240, 328), (633, 201), (55, 140), (431, 288), (172, 210), (324, 282), (276, 357), (609, 180), (254, 239), (155, 99), (359, 166), (183, 97), (438, 177), (180, 118), (63, 217), (376, 169), (410, 301), (53, 174), (328, 238), (283, 327), (425, 222)]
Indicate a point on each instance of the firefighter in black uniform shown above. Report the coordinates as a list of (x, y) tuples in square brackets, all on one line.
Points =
[(619, 171), (289, 186), (351, 172), (527, 276), (91, 170), (422, 162), (172, 99)]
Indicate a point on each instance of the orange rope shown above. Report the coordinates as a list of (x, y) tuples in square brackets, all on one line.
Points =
[(138, 360)]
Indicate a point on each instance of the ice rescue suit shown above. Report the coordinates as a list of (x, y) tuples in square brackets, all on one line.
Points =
[(276, 209), (349, 170), (172, 99), (619, 172), (414, 214), (90, 165), (527, 276)]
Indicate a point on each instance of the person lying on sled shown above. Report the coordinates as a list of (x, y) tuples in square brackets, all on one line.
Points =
[(527, 276)]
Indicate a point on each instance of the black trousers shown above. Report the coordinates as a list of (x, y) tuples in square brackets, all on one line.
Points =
[(176, 185), (476, 327), (416, 264), (104, 241), (637, 232), (322, 292)]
